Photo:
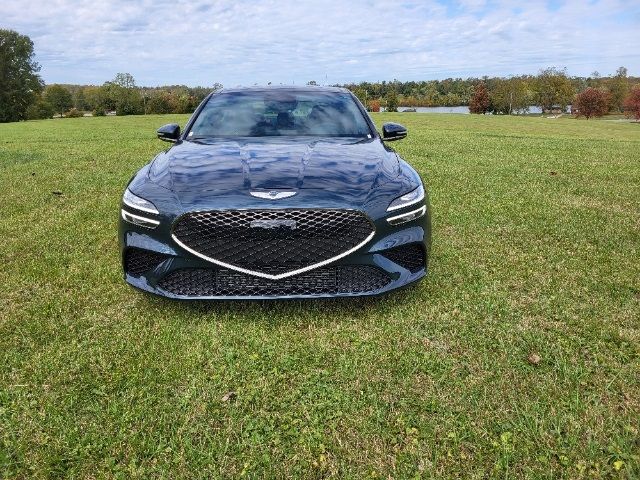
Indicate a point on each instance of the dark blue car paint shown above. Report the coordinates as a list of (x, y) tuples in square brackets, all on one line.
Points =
[(213, 174)]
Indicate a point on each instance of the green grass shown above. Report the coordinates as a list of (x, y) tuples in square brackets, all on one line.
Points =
[(536, 252)]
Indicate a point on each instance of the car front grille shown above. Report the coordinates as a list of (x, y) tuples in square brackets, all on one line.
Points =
[(273, 242), (138, 261), (411, 256), (332, 280)]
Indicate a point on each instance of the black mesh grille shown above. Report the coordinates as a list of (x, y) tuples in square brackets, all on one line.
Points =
[(410, 256), (138, 261), (272, 241), (321, 281)]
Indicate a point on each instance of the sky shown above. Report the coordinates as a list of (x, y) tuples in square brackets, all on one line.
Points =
[(247, 42)]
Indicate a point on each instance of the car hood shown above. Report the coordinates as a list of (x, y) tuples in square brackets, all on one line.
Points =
[(219, 167)]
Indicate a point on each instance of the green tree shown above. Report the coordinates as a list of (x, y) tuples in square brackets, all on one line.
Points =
[(553, 89), (510, 96), (20, 83), (619, 88), (361, 93), (122, 95), (392, 102), (160, 102), (125, 80), (59, 98), (79, 101), (39, 109), (124, 100), (94, 98)]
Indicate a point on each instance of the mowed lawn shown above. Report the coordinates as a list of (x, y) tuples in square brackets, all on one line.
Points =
[(518, 356)]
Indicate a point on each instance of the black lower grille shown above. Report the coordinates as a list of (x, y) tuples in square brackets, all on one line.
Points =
[(138, 261), (202, 282), (411, 256), (273, 241)]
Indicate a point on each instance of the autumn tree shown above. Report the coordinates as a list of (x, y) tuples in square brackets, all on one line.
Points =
[(591, 102), (631, 104), (553, 89), (59, 98), (20, 83), (480, 100), (373, 106)]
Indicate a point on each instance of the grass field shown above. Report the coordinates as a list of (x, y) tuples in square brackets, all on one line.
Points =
[(518, 357)]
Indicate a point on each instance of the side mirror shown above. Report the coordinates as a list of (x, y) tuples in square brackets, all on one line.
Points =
[(169, 132), (393, 131)]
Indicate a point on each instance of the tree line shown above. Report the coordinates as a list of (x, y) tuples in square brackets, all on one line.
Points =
[(23, 94), (551, 89), (120, 96)]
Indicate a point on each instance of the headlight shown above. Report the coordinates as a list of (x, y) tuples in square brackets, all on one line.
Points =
[(138, 203), (138, 220), (414, 196), (408, 216)]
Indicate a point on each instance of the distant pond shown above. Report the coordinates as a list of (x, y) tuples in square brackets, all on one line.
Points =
[(462, 109)]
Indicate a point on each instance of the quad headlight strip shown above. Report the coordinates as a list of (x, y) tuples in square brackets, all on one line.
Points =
[(135, 202), (407, 217), (138, 220), (414, 196), (139, 203)]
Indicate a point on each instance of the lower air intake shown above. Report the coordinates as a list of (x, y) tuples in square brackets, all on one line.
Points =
[(138, 261), (321, 281), (411, 256)]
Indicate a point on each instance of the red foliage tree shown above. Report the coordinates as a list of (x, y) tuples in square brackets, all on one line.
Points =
[(480, 101), (632, 103), (591, 102), (374, 105)]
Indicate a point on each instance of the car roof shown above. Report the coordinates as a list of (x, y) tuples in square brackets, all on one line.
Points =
[(288, 88)]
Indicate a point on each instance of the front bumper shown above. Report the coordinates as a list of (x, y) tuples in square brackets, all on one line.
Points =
[(387, 262)]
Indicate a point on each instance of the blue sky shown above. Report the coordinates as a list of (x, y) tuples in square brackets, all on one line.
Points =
[(199, 42)]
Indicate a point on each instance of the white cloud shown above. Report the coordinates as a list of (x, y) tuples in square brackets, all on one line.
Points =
[(246, 42)]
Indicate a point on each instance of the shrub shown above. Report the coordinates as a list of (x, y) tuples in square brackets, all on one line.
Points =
[(631, 104), (73, 113), (98, 112), (591, 102)]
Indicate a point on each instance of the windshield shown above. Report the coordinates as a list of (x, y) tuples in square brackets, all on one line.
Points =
[(279, 113)]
